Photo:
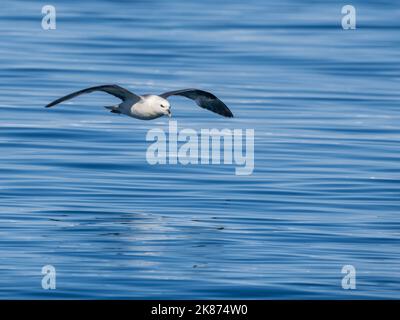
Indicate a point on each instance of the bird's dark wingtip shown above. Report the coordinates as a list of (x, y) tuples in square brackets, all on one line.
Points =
[(228, 114), (51, 104)]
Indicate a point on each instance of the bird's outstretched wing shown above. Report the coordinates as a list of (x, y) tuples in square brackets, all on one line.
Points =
[(203, 99), (113, 89)]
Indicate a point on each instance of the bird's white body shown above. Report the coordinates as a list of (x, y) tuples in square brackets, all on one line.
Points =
[(148, 108)]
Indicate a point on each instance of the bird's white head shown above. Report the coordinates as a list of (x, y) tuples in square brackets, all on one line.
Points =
[(159, 105), (165, 107)]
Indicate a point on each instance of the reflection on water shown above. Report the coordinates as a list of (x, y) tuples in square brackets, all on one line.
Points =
[(77, 192)]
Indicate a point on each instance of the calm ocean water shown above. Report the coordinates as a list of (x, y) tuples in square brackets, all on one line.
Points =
[(76, 191)]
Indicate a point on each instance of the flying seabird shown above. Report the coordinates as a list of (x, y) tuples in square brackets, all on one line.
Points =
[(149, 106)]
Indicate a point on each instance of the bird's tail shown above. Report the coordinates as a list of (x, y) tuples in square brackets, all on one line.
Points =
[(113, 109)]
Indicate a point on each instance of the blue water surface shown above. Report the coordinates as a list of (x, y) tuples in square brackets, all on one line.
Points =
[(77, 193)]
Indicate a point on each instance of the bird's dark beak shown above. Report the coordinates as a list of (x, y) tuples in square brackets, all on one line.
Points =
[(169, 113)]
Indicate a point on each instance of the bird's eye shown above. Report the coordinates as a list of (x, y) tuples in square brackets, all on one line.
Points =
[(162, 106)]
